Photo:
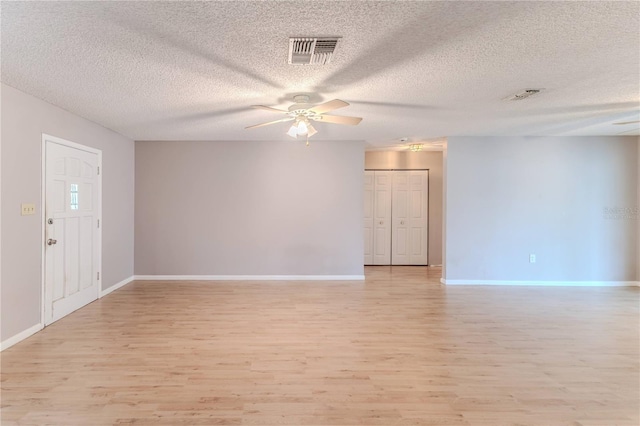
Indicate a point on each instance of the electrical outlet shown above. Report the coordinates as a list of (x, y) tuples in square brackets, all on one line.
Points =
[(28, 209), (532, 258)]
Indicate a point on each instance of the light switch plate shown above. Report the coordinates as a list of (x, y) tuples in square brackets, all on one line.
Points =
[(28, 209)]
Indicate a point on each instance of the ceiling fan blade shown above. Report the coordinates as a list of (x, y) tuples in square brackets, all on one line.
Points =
[(339, 119), (328, 106), (628, 122), (268, 108), (270, 122)]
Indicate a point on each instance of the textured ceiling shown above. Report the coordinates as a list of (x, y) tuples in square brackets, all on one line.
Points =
[(419, 70)]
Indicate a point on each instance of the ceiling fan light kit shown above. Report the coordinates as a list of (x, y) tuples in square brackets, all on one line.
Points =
[(311, 130), (293, 131), (302, 113)]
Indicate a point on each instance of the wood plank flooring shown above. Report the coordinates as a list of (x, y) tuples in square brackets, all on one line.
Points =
[(397, 349)]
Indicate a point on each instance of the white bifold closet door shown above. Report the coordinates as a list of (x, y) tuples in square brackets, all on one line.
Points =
[(395, 217)]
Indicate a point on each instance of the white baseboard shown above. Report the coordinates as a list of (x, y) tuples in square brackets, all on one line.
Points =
[(249, 277), (116, 286), (6, 344), (544, 283)]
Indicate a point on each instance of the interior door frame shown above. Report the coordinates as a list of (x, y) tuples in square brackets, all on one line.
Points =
[(43, 213), (428, 203)]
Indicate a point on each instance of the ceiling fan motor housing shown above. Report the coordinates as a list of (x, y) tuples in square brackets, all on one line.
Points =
[(301, 103)]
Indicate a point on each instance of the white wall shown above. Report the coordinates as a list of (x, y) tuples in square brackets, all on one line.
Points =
[(24, 119), (249, 208), (508, 197), (407, 160)]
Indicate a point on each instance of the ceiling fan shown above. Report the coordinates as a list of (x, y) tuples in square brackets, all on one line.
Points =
[(302, 113)]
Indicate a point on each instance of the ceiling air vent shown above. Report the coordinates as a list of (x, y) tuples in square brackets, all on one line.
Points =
[(523, 95), (311, 50)]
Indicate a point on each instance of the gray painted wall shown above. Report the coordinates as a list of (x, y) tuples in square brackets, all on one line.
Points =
[(508, 197), (249, 208), (24, 119), (431, 160)]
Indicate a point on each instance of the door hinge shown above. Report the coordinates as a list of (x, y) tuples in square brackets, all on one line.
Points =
[(98, 276), (98, 223), (98, 169)]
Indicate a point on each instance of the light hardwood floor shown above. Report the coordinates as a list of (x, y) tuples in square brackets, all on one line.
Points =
[(397, 349)]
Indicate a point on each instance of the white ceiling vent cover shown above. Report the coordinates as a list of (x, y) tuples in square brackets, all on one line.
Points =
[(311, 50), (522, 95)]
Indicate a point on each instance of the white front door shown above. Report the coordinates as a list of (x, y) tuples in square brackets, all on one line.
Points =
[(72, 238), (410, 207)]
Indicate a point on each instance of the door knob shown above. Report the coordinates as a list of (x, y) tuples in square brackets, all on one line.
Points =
[(402, 222), (51, 242), (381, 222)]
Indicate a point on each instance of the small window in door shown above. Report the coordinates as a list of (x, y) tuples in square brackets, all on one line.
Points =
[(74, 196)]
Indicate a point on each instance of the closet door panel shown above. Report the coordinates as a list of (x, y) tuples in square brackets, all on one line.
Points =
[(382, 218), (419, 207), (410, 210), (369, 205), (400, 208)]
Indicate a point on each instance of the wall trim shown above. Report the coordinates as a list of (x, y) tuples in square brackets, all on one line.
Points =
[(544, 283), (116, 286), (6, 344), (249, 277)]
